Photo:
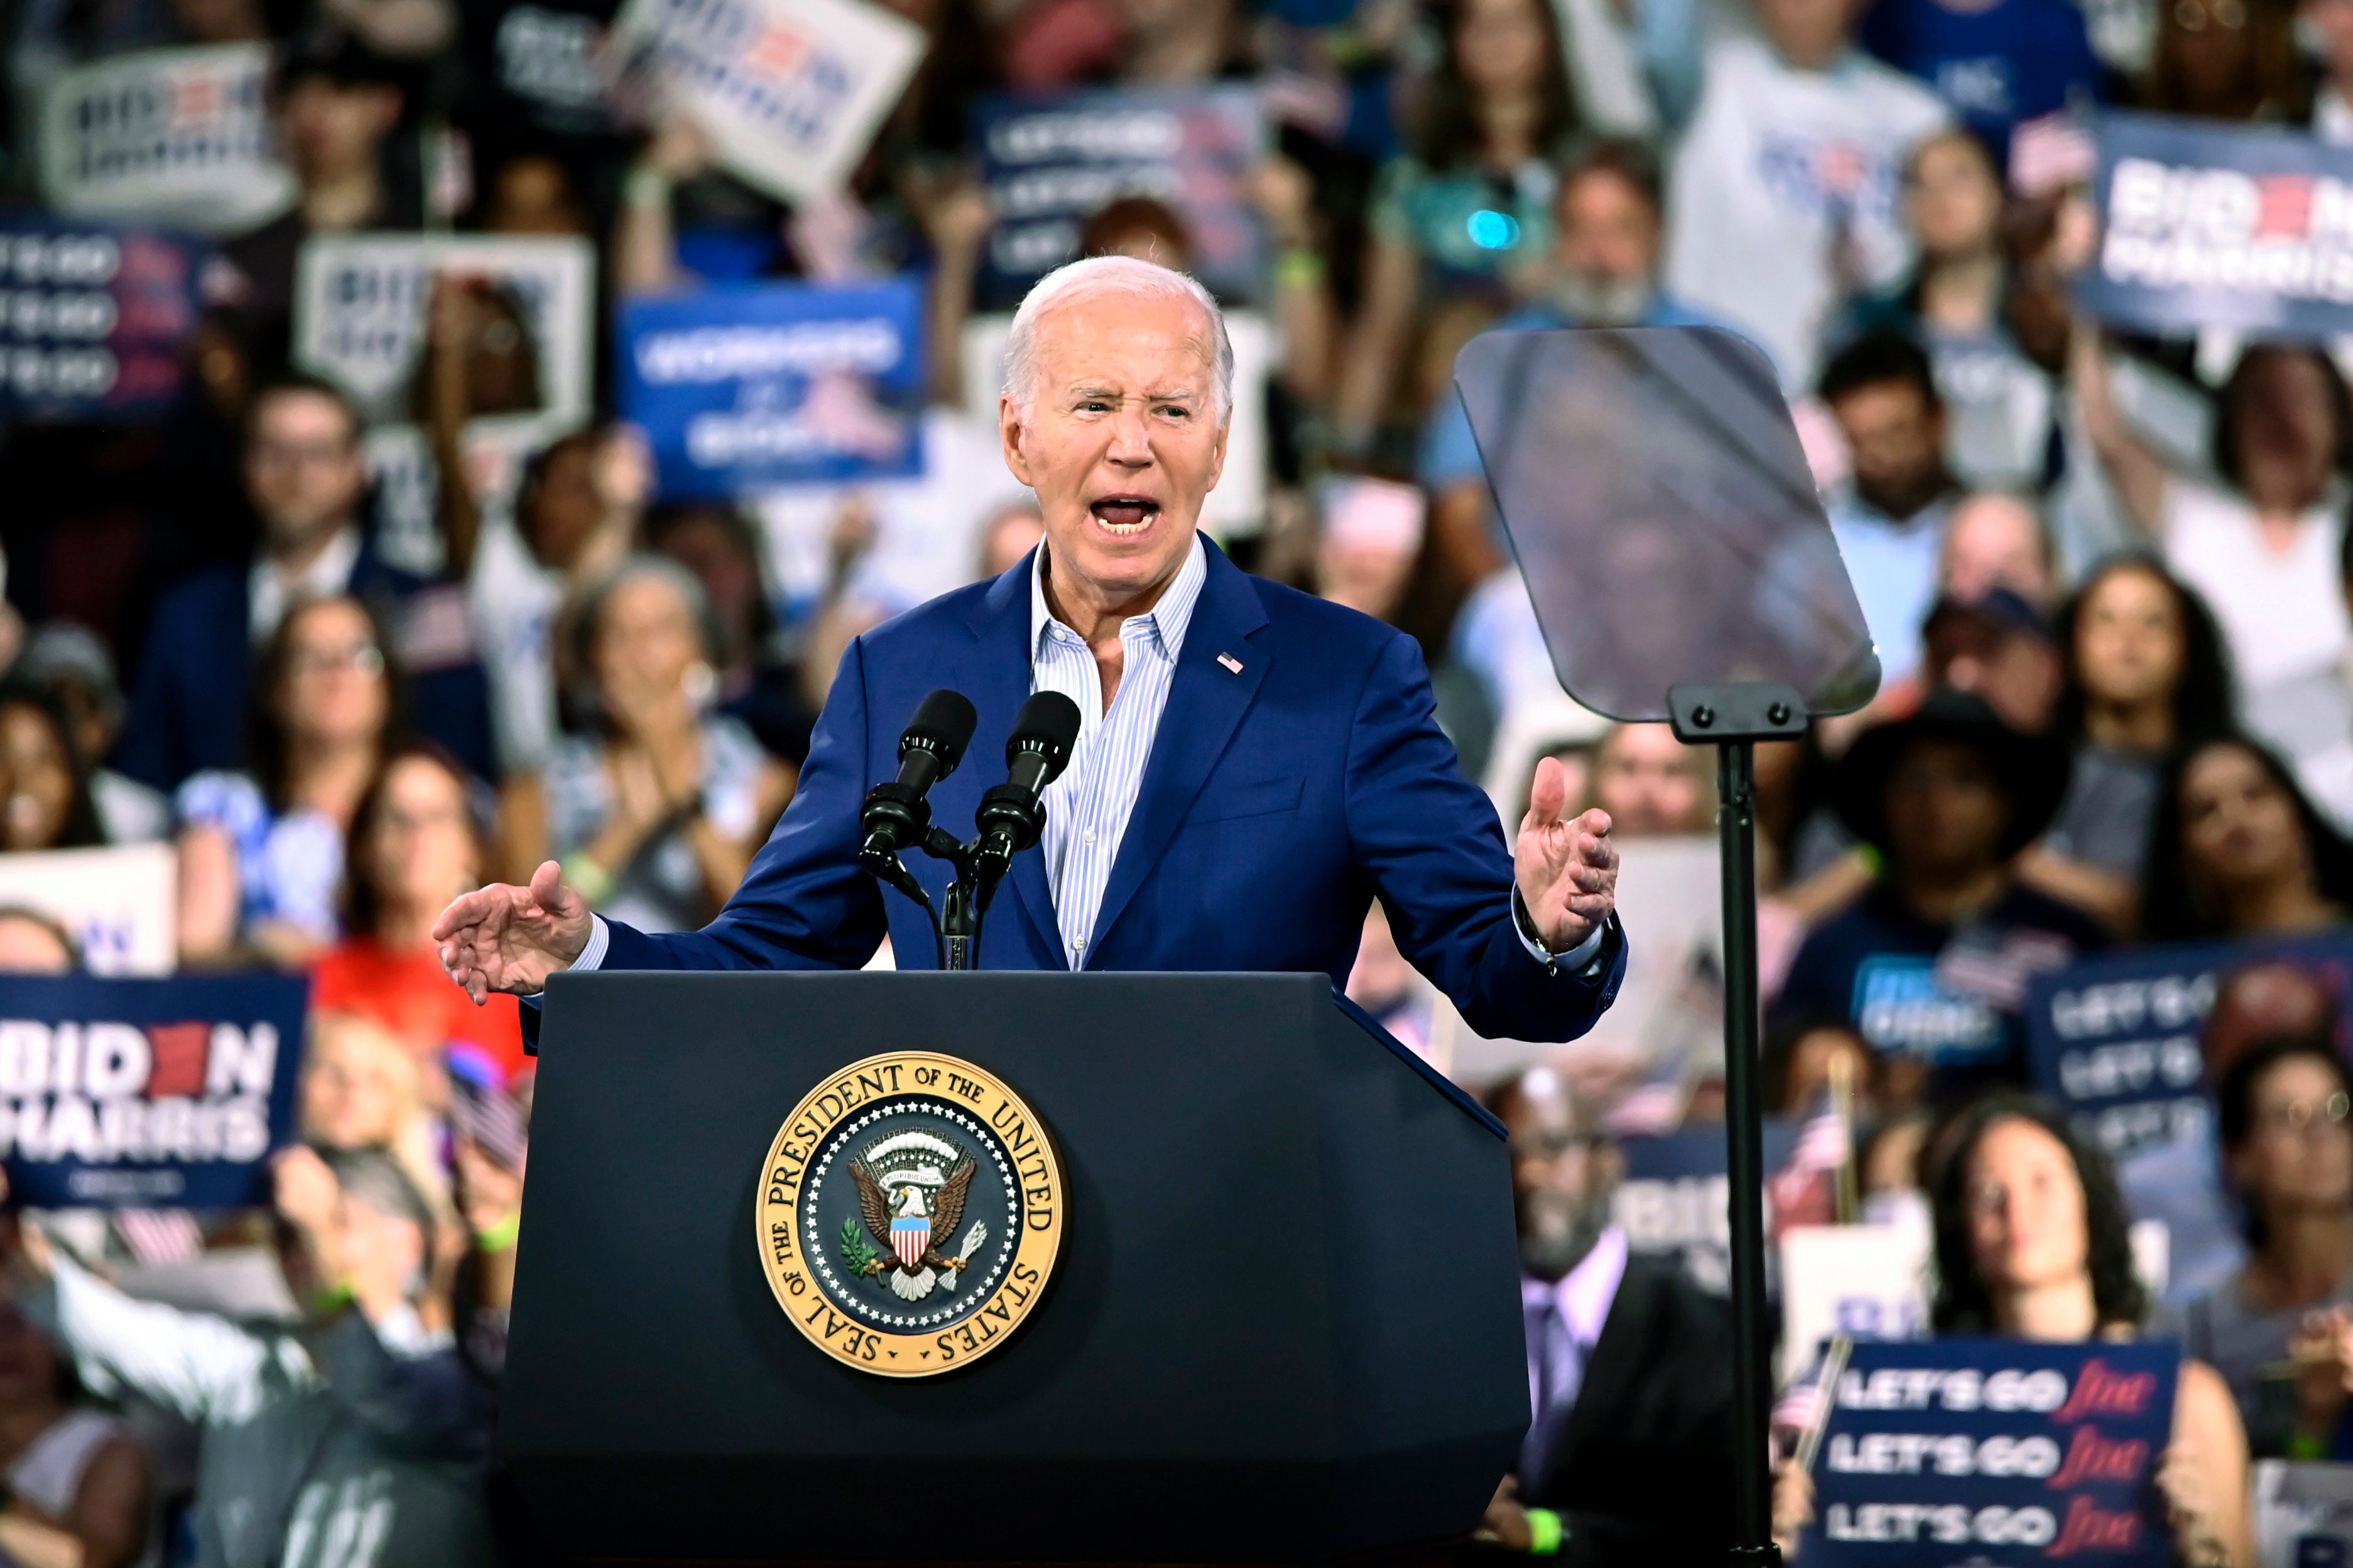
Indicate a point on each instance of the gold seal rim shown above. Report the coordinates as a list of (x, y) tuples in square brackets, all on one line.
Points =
[(784, 1250)]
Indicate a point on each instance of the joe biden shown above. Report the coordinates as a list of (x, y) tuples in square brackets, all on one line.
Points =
[(1254, 767)]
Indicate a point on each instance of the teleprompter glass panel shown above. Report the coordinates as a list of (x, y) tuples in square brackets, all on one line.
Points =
[(1656, 495)]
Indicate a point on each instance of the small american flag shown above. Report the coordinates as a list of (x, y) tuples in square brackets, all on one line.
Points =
[(160, 1235)]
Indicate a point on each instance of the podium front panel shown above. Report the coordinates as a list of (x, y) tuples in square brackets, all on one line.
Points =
[(1284, 1319)]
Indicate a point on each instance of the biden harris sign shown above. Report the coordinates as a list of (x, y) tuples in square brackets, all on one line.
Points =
[(743, 388), (146, 1092), (2211, 227)]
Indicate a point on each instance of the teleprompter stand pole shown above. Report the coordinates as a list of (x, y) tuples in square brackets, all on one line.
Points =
[(1733, 718)]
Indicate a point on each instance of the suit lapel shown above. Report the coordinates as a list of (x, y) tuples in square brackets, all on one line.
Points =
[(1610, 1368), (1206, 700), (1001, 626)]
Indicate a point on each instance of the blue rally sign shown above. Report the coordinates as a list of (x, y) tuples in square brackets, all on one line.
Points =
[(775, 383), (1052, 160), (142, 1093), (94, 318), (2206, 226), (2114, 1039), (1995, 1451)]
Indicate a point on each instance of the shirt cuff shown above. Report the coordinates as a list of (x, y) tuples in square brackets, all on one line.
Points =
[(1575, 958), (600, 937)]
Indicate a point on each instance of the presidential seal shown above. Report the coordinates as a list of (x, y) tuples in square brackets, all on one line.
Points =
[(910, 1214)]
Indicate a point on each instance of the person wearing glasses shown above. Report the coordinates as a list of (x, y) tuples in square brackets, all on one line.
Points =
[(306, 482), (2281, 1331), (261, 849)]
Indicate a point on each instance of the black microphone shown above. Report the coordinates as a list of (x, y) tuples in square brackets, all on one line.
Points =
[(896, 814), (1013, 814)]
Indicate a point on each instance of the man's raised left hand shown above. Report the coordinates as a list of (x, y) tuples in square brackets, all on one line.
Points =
[(1566, 869)]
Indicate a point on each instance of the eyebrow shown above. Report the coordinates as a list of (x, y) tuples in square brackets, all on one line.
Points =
[(1154, 394)]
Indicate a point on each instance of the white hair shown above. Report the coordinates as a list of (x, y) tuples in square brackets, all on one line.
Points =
[(1089, 277)]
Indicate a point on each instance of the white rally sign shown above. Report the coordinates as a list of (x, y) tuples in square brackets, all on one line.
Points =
[(179, 137), (790, 91), (118, 904)]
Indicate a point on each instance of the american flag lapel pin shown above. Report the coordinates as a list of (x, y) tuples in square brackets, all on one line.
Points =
[(1233, 665)]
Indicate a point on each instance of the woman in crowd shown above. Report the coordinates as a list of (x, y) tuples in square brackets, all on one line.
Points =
[(2263, 551), (2145, 674), (415, 843), (77, 1483), (262, 852), (717, 544), (44, 802), (2288, 1150), (1470, 208), (2227, 60), (2237, 850), (2033, 1243), (1999, 405), (656, 811)]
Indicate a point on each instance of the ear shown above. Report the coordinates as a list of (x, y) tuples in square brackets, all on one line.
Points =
[(1218, 461), (1010, 430)]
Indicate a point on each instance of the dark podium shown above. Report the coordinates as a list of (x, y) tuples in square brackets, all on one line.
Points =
[(1284, 1321)]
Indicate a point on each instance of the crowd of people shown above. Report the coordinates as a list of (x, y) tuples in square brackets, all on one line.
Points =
[(2107, 575)]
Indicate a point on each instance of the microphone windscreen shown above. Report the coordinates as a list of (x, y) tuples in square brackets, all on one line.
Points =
[(944, 721), (1047, 722)]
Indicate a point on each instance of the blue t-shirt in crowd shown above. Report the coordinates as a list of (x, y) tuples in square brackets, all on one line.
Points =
[(2009, 61), (1952, 995), (1449, 456)]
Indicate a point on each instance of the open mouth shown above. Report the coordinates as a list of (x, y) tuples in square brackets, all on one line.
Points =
[(1126, 514)]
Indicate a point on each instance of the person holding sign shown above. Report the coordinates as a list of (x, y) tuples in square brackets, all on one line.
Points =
[(2033, 1243)]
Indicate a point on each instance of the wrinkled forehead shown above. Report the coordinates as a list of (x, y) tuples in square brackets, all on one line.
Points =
[(1129, 342)]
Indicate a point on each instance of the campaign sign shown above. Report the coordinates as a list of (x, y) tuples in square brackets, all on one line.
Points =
[(2207, 227), (1676, 1194), (1053, 161), (789, 92), (2114, 1039), (94, 318), (1995, 1451), (171, 136), (146, 1093), (118, 903), (774, 383)]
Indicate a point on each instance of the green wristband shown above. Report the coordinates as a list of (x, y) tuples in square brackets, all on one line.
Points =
[(1544, 1532), (501, 1236), (2305, 1445)]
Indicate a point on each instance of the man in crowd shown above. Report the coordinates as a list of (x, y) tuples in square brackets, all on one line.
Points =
[(1933, 961), (1998, 646), (1628, 1456), (1650, 783), (1787, 183), (1891, 523), (308, 484), (359, 1438)]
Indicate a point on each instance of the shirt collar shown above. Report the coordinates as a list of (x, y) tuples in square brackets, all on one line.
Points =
[(1167, 619), (329, 574), (1584, 1295)]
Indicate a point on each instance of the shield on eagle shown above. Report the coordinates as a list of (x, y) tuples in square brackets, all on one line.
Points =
[(910, 1234)]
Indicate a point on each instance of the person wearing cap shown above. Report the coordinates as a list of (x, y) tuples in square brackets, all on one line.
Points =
[(1628, 1457), (1931, 962), (73, 666), (1996, 644)]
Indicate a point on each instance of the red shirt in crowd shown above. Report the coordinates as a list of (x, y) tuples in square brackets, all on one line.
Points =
[(408, 993)]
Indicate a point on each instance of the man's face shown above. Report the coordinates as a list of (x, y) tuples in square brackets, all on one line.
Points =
[(331, 129), (1897, 439), (303, 471), (1608, 248), (1807, 34), (1562, 1178), (1122, 440), (1946, 810), (1649, 782)]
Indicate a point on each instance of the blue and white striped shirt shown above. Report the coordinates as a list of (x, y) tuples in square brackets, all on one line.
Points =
[(1087, 808)]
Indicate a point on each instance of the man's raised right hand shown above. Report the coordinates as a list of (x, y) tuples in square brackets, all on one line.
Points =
[(505, 938)]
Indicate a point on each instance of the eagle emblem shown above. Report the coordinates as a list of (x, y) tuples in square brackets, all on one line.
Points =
[(911, 1189)]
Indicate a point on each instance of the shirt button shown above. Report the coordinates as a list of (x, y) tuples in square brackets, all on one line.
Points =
[(1078, 944), (1086, 835)]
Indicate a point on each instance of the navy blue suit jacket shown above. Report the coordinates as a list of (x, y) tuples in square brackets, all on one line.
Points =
[(1278, 801), (195, 681)]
